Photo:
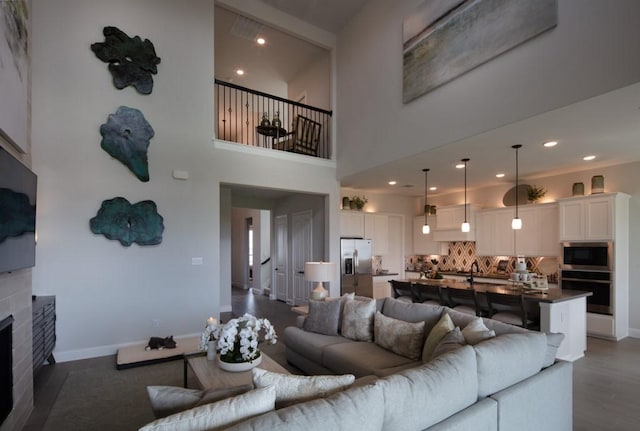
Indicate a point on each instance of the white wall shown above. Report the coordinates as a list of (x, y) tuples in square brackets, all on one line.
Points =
[(107, 294), (315, 82), (593, 50)]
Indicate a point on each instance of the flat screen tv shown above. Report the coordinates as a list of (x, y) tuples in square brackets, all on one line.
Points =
[(18, 185)]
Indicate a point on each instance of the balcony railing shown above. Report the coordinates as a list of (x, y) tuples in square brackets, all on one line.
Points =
[(241, 110)]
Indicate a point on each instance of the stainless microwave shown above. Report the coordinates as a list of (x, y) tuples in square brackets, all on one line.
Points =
[(587, 255)]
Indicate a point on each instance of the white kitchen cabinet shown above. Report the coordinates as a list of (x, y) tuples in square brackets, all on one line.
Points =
[(494, 236), (588, 218), (376, 228), (352, 224), (539, 233), (424, 244), (382, 287), (449, 221)]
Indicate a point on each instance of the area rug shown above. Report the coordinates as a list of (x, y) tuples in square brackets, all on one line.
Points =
[(110, 399), (136, 355)]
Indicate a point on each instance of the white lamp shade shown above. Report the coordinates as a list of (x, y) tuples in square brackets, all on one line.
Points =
[(466, 227), (516, 223), (319, 272), (426, 229)]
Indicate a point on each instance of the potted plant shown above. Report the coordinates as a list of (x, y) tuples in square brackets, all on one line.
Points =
[(535, 193), (358, 202)]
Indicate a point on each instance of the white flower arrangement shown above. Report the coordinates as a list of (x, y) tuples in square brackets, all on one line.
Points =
[(238, 339)]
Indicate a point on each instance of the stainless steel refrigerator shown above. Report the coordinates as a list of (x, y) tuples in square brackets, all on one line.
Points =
[(355, 267)]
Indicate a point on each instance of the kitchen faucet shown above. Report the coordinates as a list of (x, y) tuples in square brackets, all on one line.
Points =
[(470, 278)]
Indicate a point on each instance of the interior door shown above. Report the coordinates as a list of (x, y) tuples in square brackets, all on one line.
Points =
[(281, 268), (301, 226)]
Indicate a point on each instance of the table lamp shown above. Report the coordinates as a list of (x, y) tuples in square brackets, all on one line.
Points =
[(319, 272)]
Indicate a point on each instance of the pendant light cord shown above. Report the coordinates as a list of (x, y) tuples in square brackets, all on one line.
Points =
[(517, 199), (426, 185)]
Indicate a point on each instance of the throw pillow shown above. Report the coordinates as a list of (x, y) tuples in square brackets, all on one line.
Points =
[(452, 341), (477, 331), (291, 389), (167, 400), (323, 317), (218, 415), (404, 338), (553, 344), (442, 328), (342, 299), (357, 322)]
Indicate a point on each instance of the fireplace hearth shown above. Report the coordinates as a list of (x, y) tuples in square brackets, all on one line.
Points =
[(6, 367)]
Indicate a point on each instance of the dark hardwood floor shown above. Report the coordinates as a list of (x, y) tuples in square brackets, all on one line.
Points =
[(606, 381)]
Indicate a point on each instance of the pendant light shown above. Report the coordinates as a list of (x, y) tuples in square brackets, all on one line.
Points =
[(425, 227), (465, 225), (516, 223)]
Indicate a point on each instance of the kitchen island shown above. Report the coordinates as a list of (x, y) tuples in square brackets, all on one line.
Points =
[(560, 310)]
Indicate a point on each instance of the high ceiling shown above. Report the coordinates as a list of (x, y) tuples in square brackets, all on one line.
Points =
[(607, 126)]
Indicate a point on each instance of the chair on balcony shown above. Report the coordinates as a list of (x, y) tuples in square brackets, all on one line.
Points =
[(402, 290), (303, 139)]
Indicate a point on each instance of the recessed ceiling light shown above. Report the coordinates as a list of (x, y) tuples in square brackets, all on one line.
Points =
[(240, 72), (433, 188), (550, 144), (588, 158), (500, 175), (261, 41), (460, 165), (392, 183)]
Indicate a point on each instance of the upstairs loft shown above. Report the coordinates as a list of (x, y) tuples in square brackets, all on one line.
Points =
[(253, 118)]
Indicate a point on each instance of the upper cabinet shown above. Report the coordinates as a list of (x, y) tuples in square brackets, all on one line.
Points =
[(376, 228), (351, 224), (588, 218), (494, 236), (449, 221), (425, 244)]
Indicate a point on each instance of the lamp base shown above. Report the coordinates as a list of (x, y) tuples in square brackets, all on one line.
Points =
[(319, 292)]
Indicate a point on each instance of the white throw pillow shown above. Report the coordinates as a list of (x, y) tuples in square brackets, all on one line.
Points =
[(218, 415), (477, 331), (291, 389), (167, 400), (357, 322)]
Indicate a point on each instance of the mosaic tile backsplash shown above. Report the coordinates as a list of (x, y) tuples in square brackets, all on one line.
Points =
[(463, 253)]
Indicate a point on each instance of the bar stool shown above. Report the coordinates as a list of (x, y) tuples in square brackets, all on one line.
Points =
[(427, 294), (508, 308), (402, 290), (464, 300)]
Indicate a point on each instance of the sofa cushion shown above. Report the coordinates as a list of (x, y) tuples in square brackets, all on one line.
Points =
[(508, 359), (431, 392), (323, 317), (477, 331), (218, 415), (452, 341), (404, 338), (344, 298), (167, 400), (357, 322), (310, 344), (442, 328), (463, 319), (292, 389), (413, 312), (553, 344), (359, 408), (360, 358)]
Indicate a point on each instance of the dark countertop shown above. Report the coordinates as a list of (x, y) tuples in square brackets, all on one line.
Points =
[(552, 295), (385, 274)]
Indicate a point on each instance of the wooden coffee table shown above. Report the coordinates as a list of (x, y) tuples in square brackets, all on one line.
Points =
[(209, 375)]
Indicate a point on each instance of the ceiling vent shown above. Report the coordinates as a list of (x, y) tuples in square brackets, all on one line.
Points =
[(246, 28)]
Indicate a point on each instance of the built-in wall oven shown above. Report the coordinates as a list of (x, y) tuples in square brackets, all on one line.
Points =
[(589, 267)]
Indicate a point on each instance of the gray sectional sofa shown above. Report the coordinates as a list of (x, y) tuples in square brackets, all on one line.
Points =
[(509, 382)]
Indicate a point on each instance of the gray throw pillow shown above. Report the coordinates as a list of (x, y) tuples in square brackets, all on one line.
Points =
[(357, 323), (323, 317), (452, 341), (403, 338)]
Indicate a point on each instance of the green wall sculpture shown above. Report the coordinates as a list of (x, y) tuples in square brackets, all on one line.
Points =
[(17, 215), (131, 60), (118, 219), (125, 136)]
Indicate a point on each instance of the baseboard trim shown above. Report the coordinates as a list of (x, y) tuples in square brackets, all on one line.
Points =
[(634, 333)]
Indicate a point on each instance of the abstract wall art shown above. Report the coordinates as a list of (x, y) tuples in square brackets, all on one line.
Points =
[(119, 220), (14, 73), (17, 215), (443, 39), (131, 60), (126, 136)]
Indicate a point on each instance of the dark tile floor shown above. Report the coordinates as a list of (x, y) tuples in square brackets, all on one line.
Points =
[(606, 381)]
